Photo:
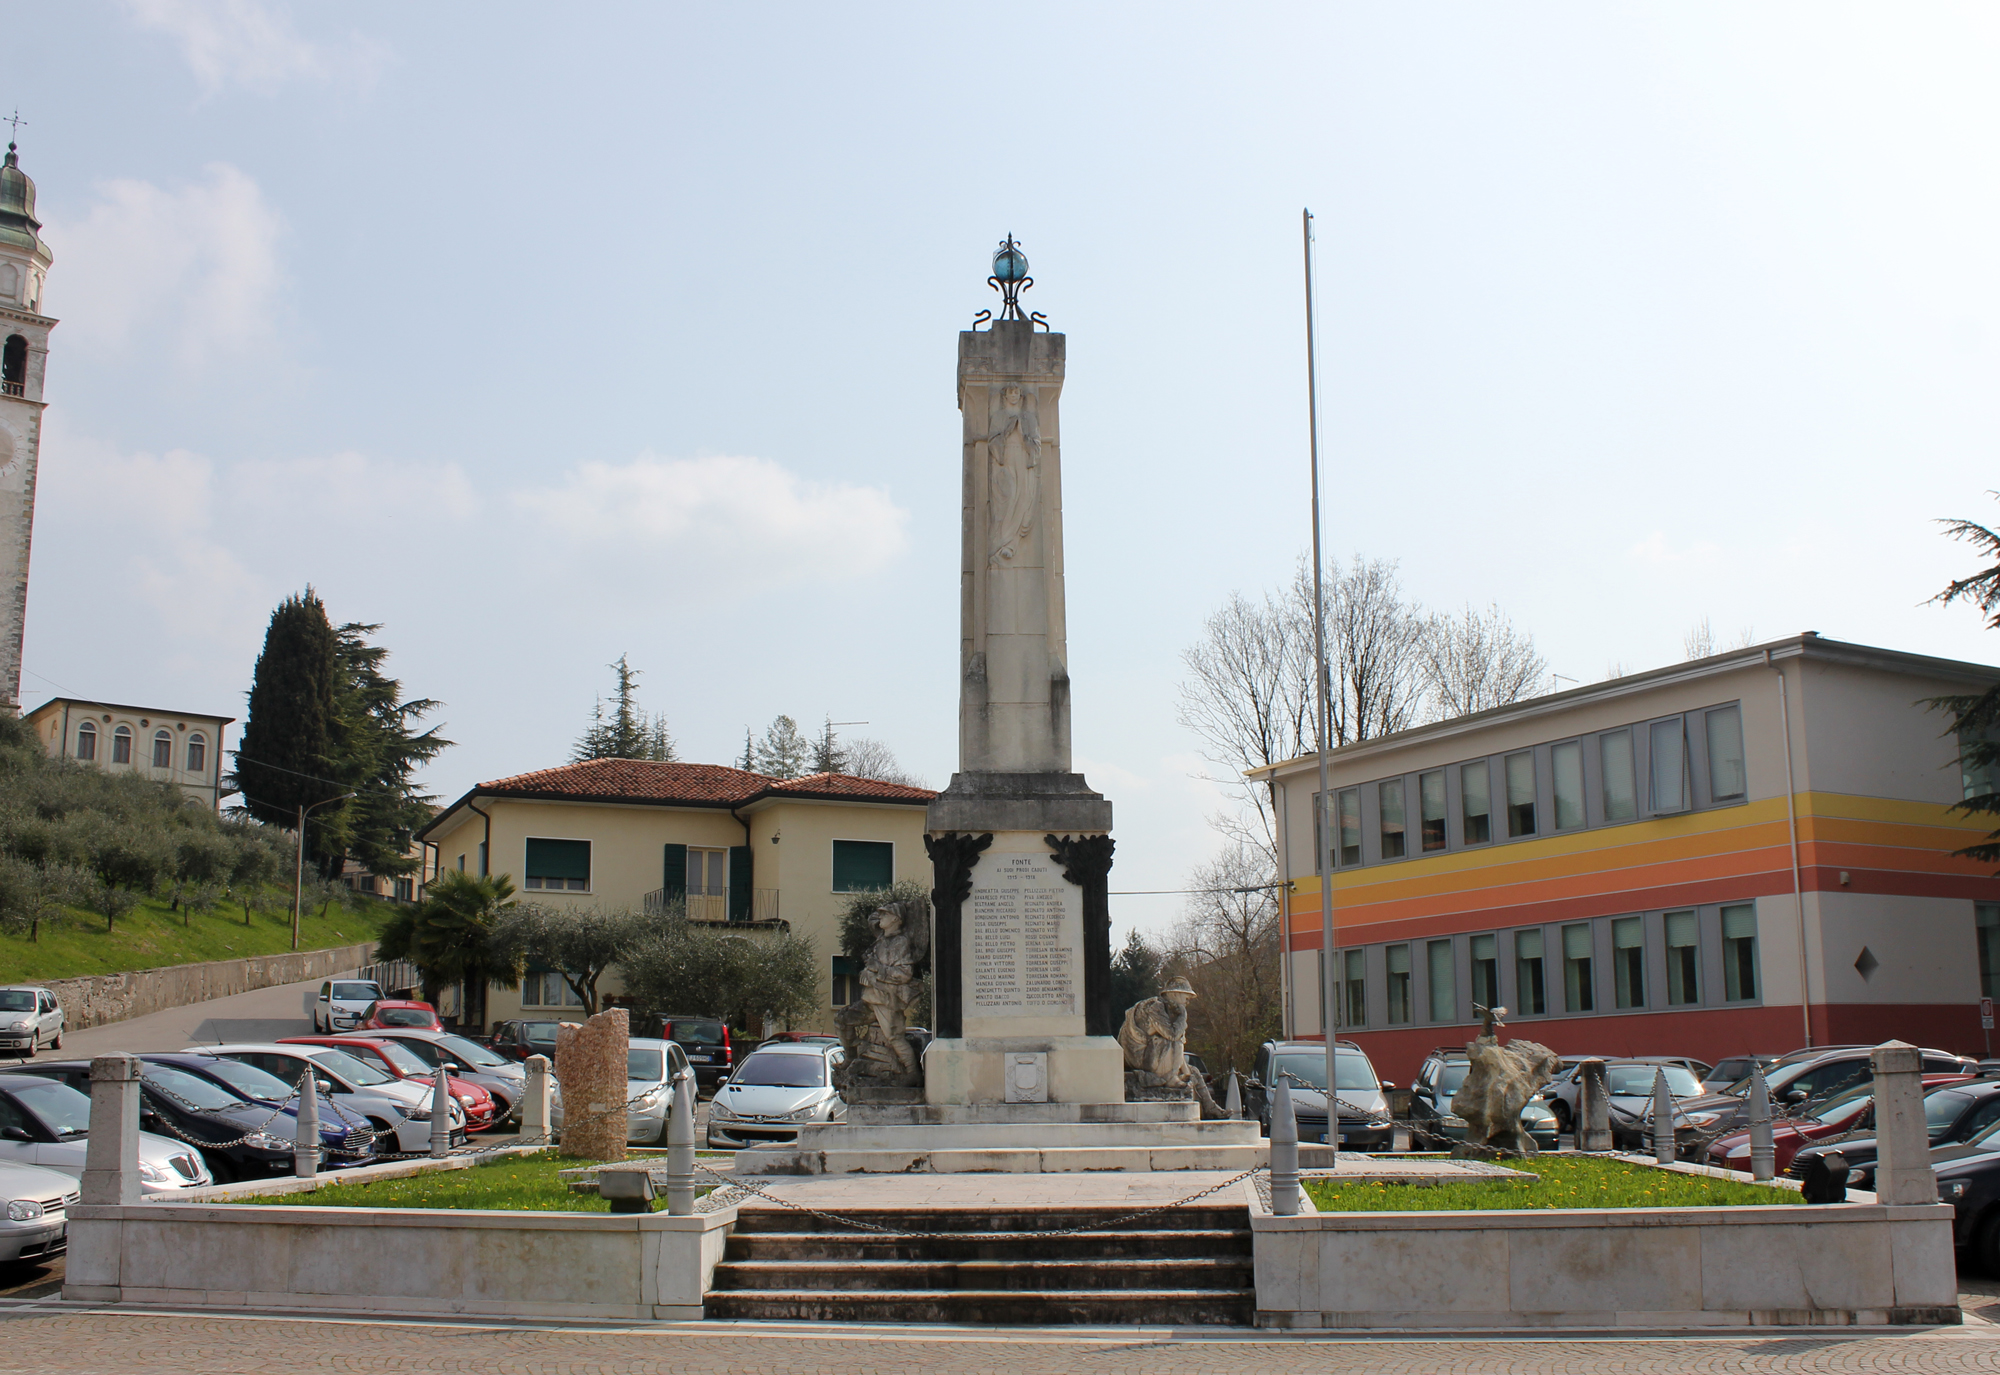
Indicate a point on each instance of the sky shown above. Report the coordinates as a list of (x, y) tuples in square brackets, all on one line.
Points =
[(545, 335)]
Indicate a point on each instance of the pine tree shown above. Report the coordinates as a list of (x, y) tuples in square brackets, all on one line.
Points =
[(380, 753), (748, 763), (288, 754), (828, 756), (628, 733), (783, 752)]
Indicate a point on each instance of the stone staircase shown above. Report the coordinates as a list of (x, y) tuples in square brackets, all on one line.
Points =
[(1186, 1266)]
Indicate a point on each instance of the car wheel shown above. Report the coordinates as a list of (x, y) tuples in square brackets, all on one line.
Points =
[(57, 1043), (29, 1053), (1560, 1110)]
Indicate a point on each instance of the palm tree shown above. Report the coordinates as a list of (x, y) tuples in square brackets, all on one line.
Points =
[(447, 937)]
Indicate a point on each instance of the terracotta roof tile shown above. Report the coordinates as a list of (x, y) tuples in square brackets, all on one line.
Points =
[(638, 780), (847, 785)]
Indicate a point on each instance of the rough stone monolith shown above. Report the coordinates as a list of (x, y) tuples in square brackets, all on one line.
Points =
[(590, 1066)]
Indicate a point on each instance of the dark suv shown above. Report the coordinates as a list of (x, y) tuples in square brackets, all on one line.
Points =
[(705, 1042), (1365, 1124), (518, 1040)]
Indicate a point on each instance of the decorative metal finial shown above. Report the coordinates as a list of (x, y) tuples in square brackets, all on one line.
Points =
[(15, 120), (1010, 278)]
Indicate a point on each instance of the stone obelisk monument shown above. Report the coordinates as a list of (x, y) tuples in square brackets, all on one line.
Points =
[(1019, 844)]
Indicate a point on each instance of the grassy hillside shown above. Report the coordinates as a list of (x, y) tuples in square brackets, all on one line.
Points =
[(151, 935)]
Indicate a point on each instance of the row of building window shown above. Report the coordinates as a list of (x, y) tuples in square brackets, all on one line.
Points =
[(1604, 779), (859, 866), (1686, 957), (163, 747)]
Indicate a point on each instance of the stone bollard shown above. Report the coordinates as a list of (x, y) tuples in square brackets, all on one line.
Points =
[(305, 1141), (1593, 1107), (1284, 1151), (1232, 1102), (1763, 1148), (1663, 1119), (590, 1065), (441, 1114), (535, 1101), (1902, 1141), (680, 1151), (111, 1156)]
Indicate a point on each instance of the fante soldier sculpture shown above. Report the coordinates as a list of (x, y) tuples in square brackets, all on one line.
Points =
[(1498, 1085), (1154, 1039), (874, 1027)]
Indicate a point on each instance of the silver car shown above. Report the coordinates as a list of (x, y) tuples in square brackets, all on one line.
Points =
[(499, 1076), (34, 1213), (654, 1071), (389, 1104), (779, 1087), (46, 1122), (30, 1018)]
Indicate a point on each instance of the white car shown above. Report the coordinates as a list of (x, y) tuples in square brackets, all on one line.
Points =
[(30, 1018), (46, 1122), (339, 1004), (654, 1072), (780, 1086), (357, 1086), (34, 1213)]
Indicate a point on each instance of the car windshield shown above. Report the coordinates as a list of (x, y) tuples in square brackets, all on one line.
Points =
[(539, 1033), (16, 1000), (1846, 1104), (1451, 1074), (356, 993), (189, 1090), (64, 1111), (1636, 1081), (1942, 1108), (248, 1080), (782, 1071), (1351, 1069), (351, 1068), (470, 1052), (643, 1064), (401, 1057), (403, 1016), (698, 1033)]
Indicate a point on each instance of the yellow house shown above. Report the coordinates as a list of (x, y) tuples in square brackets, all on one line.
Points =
[(741, 848)]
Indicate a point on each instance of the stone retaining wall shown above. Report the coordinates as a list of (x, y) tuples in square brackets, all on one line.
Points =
[(100, 998)]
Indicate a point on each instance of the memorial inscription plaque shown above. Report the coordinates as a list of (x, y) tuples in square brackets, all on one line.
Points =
[(1024, 945)]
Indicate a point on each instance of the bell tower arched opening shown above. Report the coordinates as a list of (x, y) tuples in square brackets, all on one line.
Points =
[(14, 366)]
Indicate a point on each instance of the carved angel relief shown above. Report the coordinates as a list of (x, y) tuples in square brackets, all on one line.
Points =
[(1013, 464)]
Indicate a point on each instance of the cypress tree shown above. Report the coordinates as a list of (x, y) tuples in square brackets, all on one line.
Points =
[(287, 753)]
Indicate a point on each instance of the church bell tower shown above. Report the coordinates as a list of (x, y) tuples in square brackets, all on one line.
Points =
[(24, 353)]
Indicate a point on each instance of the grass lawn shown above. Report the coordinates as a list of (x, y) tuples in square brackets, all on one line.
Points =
[(152, 935), (1566, 1182), (518, 1181)]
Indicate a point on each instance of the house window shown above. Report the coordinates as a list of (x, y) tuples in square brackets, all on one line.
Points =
[(1531, 991), (1739, 952), (1669, 766), (1683, 959), (1397, 958), (1521, 794), (1443, 987), (546, 988), (1430, 797), (1628, 961), (121, 745), (163, 750), (1349, 806), (1357, 987), (863, 866), (1579, 990), (1475, 791), (86, 741), (708, 886), (1391, 798), (1621, 794), (1725, 753), (846, 980), (1566, 763), (197, 753), (555, 866), (1486, 970)]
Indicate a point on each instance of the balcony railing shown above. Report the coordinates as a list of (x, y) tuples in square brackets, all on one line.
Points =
[(13, 388), (711, 907)]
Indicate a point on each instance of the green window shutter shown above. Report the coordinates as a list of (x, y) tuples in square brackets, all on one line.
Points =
[(863, 866), (559, 859), (674, 872), (739, 883)]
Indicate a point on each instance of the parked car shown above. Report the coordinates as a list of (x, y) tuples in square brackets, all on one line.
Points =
[(1971, 1185), (1804, 1077), (1733, 1069), (341, 1003), (397, 1059), (1365, 1124), (705, 1042), (386, 1013), (34, 1213), (505, 1079), (30, 1017), (655, 1070), (346, 1138), (516, 1041), (1562, 1091), (1959, 1112), (1849, 1109), (772, 1093), (816, 1038), (398, 1107), (45, 1121), (1439, 1077)]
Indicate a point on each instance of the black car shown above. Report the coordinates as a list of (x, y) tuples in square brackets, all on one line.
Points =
[(705, 1042), (1796, 1081), (1954, 1114), (518, 1040), (1365, 1124), (1971, 1185)]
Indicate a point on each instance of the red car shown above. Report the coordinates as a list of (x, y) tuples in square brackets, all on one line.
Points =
[(388, 1012), (1846, 1111), (397, 1059)]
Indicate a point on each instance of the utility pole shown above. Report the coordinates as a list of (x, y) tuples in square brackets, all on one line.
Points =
[(1325, 819), (299, 865)]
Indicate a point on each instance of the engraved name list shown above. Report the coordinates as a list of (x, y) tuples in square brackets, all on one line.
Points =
[(1023, 938)]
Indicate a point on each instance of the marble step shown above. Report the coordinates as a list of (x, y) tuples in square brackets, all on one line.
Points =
[(959, 1222), (1014, 1273), (997, 1160), (862, 1246), (1041, 1307), (962, 1135)]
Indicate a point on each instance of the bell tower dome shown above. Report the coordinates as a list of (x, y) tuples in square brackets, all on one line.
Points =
[(24, 352)]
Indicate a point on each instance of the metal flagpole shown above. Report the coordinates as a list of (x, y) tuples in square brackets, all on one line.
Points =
[(1324, 819)]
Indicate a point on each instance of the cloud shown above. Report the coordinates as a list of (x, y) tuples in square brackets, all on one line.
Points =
[(251, 44), (765, 523), (1655, 549), (198, 264)]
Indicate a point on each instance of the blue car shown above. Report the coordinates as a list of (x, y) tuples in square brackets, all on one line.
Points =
[(345, 1138)]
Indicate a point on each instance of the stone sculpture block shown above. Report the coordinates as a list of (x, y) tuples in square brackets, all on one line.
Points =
[(590, 1066), (1499, 1084)]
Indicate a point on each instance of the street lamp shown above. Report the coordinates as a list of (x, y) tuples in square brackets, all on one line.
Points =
[(299, 867)]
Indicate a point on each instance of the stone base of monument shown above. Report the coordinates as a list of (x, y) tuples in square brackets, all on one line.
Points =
[(987, 1069)]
